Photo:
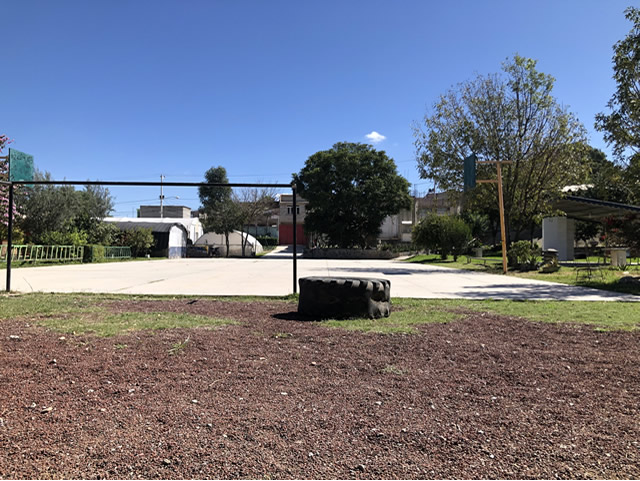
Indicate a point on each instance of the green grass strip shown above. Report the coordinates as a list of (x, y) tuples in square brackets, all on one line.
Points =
[(108, 325)]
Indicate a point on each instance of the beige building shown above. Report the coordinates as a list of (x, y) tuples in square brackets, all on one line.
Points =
[(285, 223)]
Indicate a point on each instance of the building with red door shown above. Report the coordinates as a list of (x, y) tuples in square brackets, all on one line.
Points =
[(285, 223)]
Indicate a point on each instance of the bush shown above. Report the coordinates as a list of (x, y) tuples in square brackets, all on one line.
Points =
[(103, 233), (93, 253), (70, 238), (397, 247), (443, 233), (139, 239), (523, 256), (267, 240)]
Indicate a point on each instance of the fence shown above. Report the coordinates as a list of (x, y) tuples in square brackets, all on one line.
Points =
[(37, 253), (123, 252)]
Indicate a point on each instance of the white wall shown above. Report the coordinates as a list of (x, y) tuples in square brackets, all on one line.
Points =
[(389, 229), (177, 243), (558, 233)]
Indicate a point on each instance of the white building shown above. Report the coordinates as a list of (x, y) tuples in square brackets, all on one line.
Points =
[(252, 247)]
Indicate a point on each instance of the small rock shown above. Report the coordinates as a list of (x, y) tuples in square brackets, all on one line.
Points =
[(90, 390), (379, 403), (313, 363), (360, 467), (53, 361), (46, 410), (310, 454), (284, 393), (209, 425), (13, 337), (166, 462), (102, 410), (33, 406), (62, 338), (194, 401)]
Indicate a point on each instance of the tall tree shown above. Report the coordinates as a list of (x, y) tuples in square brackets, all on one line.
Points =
[(253, 204), (222, 214), (51, 208), (509, 116), (212, 196), (608, 180), (351, 188), (621, 126)]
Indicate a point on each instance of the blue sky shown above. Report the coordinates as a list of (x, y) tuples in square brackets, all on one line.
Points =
[(130, 90)]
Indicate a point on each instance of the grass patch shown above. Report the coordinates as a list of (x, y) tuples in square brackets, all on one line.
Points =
[(89, 314), (605, 278), (413, 313), (392, 369), (179, 347), (603, 316), (105, 324)]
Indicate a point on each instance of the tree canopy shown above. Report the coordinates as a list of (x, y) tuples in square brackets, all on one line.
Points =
[(63, 209), (350, 188), (212, 196), (510, 116), (222, 214), (621, 126)]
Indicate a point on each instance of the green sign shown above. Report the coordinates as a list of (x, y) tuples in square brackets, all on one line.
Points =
[(20, 166), (470, 172)]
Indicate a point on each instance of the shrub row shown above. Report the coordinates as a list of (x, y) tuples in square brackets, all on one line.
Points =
[(267, 240)]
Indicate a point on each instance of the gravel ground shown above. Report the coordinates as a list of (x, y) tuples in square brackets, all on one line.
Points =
[(276, 397)]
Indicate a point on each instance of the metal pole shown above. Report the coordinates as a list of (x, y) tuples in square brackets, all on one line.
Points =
[(161, 195), (502, 228), (295, 241), (9, 238)]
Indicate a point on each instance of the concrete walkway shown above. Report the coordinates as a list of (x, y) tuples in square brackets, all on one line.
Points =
[(273, 275)]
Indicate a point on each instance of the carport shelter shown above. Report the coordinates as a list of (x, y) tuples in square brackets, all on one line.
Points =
[(170, 239), (559, 232)]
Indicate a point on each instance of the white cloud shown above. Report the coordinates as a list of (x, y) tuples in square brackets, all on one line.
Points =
[(375, 137)]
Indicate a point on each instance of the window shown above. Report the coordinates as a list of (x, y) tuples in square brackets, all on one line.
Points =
[(290, 210)]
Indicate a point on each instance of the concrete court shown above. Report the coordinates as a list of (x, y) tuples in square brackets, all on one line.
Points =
[(273, 275)]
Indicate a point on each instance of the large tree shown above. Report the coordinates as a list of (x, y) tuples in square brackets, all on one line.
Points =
[(607, 180), (222, 214), (621, 126), (510, 116), (62, 209), (350, 188)]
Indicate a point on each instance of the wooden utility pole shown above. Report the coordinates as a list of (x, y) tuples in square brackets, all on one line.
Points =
[(500, 204)]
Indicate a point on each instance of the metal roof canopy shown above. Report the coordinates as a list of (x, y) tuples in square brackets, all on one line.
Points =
[(160, 227), (581, 208)]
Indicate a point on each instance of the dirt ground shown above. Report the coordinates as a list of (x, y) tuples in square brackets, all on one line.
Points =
[(277, 397)]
